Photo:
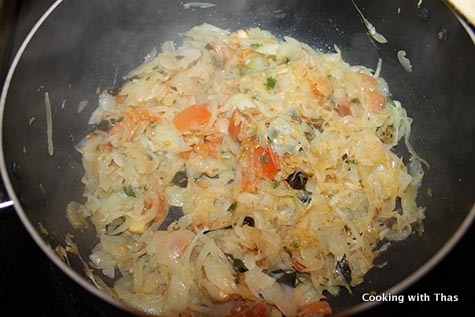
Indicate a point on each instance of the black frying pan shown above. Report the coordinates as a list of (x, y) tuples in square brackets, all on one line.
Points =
[(79, 46)]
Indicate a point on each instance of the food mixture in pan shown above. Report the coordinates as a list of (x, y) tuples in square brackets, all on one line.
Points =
[(275, 163)]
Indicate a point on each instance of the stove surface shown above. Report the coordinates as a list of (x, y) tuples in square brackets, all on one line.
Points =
[(31, 285)]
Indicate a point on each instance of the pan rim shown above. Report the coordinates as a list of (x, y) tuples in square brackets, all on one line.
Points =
[(42, 244), (83, 282)]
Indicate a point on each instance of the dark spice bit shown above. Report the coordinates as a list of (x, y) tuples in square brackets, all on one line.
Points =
[(104, 125), (239, 266), (180, 179), (344, 157), (343, 268), (216, 176), (209, 47), (178, 57), (248, 221), (317, 123), (297, 180), (116, 223), (286, 277), (216, 229)]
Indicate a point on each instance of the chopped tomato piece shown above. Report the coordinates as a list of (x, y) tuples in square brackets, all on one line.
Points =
[(213, 141), (208, 146), (297, 265), (375, 100), (257, 162), (345, 107), (265, 161), (371, 94), (318, 307), (260, 310), (191, 117), (185, 155)]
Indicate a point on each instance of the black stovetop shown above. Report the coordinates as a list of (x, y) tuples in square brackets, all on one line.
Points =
[(31, 285)]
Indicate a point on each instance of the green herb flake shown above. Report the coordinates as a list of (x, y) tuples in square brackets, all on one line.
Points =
[(271, 82), (355, 100), (256, 45), (295, 244), (429, 192), (264, 159), (232, 207), (353, 161), (128, 190)]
